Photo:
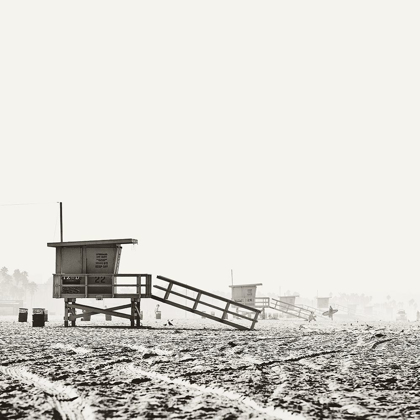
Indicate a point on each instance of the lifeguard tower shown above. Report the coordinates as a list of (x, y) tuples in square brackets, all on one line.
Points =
[(246, 294), (289, 300), (323, 302), (90, 269)]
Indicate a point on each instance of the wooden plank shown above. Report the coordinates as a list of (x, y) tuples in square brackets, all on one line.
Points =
[(197, 300), (130, 275), (99, 274), (100, 310), (226, 311), (94, 243), (290, 309), (194, 289), (204, 303), (194, 311), (290, 313), (168, 291), (66, 313), (148, 285), (114, 308), (254, 321), (123, 285)]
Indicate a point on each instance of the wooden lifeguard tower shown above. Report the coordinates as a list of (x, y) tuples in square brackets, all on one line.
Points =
[(323, 302), (246, 294), (289, 299), (90, 269)]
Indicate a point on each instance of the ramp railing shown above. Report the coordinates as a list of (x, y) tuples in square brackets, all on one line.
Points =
[(290, 309), (316, 311), (199, 300), (262, 302)]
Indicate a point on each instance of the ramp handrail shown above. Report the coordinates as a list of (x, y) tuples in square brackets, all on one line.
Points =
[(197, 301), (288, 308), (312, 309)]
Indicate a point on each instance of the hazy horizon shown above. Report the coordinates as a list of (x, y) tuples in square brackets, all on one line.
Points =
[(273, 139)]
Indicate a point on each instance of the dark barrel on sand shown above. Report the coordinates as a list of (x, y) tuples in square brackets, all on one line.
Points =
[(23, 315), (38, 317)]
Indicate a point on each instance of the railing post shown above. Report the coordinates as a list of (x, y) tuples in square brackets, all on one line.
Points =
[(149, 282), (254, 321), (168, 291), (225, 314), (197, 300)]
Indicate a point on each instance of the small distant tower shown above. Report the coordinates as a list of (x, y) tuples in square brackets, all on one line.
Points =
[(323, 302), (290, 300), (245, 293)]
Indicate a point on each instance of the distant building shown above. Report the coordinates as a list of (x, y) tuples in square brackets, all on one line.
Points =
[(322, 302), (245, 293), (10, 307), (290, 300)]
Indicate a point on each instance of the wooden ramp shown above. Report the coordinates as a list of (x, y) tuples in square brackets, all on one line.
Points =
[(290, 309), (198, 301), (316, 311)]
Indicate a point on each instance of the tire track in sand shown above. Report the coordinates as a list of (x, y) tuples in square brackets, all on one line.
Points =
[(63, 399), (131, 370)]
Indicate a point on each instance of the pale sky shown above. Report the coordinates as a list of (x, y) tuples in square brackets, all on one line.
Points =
[(277, 139)]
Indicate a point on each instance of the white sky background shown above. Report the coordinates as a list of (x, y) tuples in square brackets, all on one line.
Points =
[(280, 139)]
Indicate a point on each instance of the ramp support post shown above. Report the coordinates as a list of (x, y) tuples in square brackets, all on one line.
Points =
[(132, 313), (66, 313), (137, 307), (69, 312), (73, 313)]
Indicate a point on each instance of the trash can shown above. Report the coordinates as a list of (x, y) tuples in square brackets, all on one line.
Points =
[(23, 315), (158, 314), (108, 317), (38, 317)]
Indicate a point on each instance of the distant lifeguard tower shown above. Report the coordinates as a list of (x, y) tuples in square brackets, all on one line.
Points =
[(245, 293), (323, 302), (290, 300)]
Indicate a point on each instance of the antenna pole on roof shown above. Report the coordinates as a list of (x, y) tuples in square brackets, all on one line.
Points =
[(61, 221)]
